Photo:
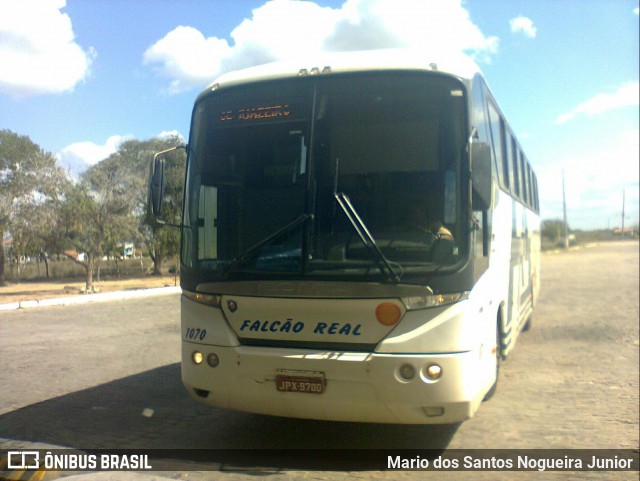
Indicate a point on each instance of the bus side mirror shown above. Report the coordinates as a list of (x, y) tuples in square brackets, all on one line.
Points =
[(163, 163), (482, 188), (156, 186), (481, 174)]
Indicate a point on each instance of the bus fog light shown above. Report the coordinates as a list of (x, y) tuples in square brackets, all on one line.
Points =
[(197, 357), (213, 360), (433, 411), (433, 372), (407, 372)]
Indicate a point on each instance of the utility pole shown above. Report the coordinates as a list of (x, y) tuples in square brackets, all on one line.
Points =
[(622, 233), (564, 209)]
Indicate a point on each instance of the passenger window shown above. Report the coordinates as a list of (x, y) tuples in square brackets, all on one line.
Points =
[(497, 137), (516, 173)]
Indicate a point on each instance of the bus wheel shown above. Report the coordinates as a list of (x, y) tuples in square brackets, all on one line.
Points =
[(527, 325), (492, 389)]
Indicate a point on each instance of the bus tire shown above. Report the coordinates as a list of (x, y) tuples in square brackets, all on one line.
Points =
[(527, 325), (494, 387)]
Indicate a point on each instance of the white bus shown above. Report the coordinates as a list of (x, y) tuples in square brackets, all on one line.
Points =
[(360, 240)]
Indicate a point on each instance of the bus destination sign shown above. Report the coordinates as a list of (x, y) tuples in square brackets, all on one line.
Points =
[(264, 112)]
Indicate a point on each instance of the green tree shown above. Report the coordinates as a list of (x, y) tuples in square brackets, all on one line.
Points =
[(136, 157), (553, 229), (108, 206), (29, 180), (99, 212)]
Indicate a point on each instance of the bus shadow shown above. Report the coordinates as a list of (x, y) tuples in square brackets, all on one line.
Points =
[(152, 410)]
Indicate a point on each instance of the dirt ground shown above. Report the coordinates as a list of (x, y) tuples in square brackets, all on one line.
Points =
[(27, 291)]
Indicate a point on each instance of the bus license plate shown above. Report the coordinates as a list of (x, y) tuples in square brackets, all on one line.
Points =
[(301, 384)]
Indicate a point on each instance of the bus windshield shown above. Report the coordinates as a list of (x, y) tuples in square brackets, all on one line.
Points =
[(337, 176)]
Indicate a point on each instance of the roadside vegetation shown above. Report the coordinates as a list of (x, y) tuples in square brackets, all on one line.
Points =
[(65, 270), (45, 215), (553, 230)]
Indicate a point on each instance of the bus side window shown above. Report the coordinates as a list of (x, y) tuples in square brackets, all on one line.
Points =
[(516, 173), (497, 137), (523, 177)]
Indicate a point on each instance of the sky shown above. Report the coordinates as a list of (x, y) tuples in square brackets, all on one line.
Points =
[(80, 76)]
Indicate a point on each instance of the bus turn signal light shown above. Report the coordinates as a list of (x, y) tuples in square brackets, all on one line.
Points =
[(388, 313)]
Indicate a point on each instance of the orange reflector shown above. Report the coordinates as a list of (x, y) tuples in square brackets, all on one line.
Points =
[(388, 313)]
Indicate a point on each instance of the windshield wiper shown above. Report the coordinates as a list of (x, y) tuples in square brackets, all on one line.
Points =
[(367, 239), (280, 232)]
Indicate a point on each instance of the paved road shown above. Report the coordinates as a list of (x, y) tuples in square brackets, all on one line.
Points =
[(107, 375)]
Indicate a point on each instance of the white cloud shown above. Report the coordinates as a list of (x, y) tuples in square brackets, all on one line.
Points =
[(79, 156), (38, 52), (626, 96), (288, 29), (279, 29), (169, 134), (636, 10), (523, 25), (183, 53), (365, 25)]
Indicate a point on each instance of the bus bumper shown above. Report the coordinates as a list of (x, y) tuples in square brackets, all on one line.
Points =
[(358, 387)]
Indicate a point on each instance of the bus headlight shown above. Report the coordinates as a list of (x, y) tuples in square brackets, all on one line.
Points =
[(433, 300), (208, 299)]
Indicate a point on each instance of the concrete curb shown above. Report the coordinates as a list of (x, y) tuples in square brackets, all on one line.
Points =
[(86, 298)]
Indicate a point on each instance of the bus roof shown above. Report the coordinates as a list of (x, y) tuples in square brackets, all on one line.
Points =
[(456, 64)]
